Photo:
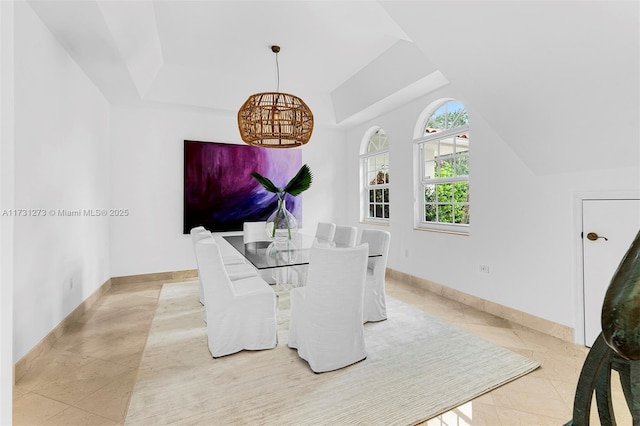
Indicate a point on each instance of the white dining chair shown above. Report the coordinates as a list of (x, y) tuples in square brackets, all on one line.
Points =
[(230, 256), (255, 231), (375, 299), (325, 231), (198, 233), (196, 229), (235, 266), (240, 315), (345, 236), (235, 270), (326, 315)]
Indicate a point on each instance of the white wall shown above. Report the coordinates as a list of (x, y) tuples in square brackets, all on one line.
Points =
[(147, 179), (557, 77), (6, 201), (522, 225), (61, 162)]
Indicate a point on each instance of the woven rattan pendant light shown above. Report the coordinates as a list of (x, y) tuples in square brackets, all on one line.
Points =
[(274, 119)]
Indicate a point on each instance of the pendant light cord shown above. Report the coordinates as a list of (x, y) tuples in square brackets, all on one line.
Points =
[(277, 73)]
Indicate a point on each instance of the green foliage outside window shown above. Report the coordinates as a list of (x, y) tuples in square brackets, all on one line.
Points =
[(445, 119), (448, 202)]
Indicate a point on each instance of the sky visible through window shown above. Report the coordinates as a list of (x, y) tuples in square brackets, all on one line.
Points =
[(448, 115)]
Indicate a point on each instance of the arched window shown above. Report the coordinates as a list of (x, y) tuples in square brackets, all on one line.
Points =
[(442, 150), (375, 175)]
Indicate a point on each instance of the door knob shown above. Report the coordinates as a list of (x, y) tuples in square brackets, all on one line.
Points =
[(592, 236)]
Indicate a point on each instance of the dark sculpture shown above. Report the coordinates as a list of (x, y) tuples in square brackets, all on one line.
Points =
[(621, 307), (616, 348)]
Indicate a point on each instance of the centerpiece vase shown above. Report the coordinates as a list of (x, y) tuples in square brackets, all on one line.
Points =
[(282, 224)]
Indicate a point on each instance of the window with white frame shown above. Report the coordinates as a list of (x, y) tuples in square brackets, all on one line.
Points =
[(375, 167), (443, 158)]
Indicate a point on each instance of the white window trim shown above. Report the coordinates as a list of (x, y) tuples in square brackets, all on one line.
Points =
[(364, 185), (420, 182), (442, 135)]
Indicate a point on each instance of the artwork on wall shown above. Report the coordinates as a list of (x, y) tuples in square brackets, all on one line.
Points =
[(219, 192)]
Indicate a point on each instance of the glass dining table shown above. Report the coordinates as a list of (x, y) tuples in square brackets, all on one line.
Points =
[(283, 257), (272, 255)]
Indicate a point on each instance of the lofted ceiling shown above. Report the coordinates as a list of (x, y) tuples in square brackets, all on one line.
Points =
[(214, 54), (545, 75)]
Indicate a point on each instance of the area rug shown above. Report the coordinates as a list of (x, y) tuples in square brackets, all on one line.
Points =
[(417, 367)]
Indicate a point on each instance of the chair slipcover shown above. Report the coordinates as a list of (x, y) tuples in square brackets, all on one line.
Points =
[(325, 231), (324, 234), (197, 229), (326, 315), (234, 264), (235, 270), (257, 231), (229, 255), (375, 301), (240, 315), (197, 234), (254, 231), (345, 236)]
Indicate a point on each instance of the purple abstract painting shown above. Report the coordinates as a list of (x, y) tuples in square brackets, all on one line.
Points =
[(219, 192)]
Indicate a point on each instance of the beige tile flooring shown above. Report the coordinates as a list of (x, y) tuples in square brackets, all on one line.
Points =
[(88, 376)]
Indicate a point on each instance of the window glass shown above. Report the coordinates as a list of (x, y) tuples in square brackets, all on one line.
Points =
[(443, 151), (375, 165)]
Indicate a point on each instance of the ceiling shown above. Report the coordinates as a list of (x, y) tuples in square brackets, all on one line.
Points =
[(544, 75), (214, 54)]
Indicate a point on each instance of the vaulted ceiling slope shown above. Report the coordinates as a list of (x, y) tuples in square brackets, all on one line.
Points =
[(547, 76), (558, 81)]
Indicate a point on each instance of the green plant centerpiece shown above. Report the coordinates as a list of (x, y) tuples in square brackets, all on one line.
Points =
[(282, 224)]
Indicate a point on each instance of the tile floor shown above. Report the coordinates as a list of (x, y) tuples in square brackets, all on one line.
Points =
[(88, 376)]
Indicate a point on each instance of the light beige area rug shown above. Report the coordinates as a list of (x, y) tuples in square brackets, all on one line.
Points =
[(417, 367)]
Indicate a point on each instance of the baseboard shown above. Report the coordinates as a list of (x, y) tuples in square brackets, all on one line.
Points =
[(551, 328), (43, 346), (157, 276)]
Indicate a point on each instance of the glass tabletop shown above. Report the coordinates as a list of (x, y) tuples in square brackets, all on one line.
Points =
[(270, 254)]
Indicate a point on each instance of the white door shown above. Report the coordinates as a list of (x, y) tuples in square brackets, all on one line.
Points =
[(615, 224)]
